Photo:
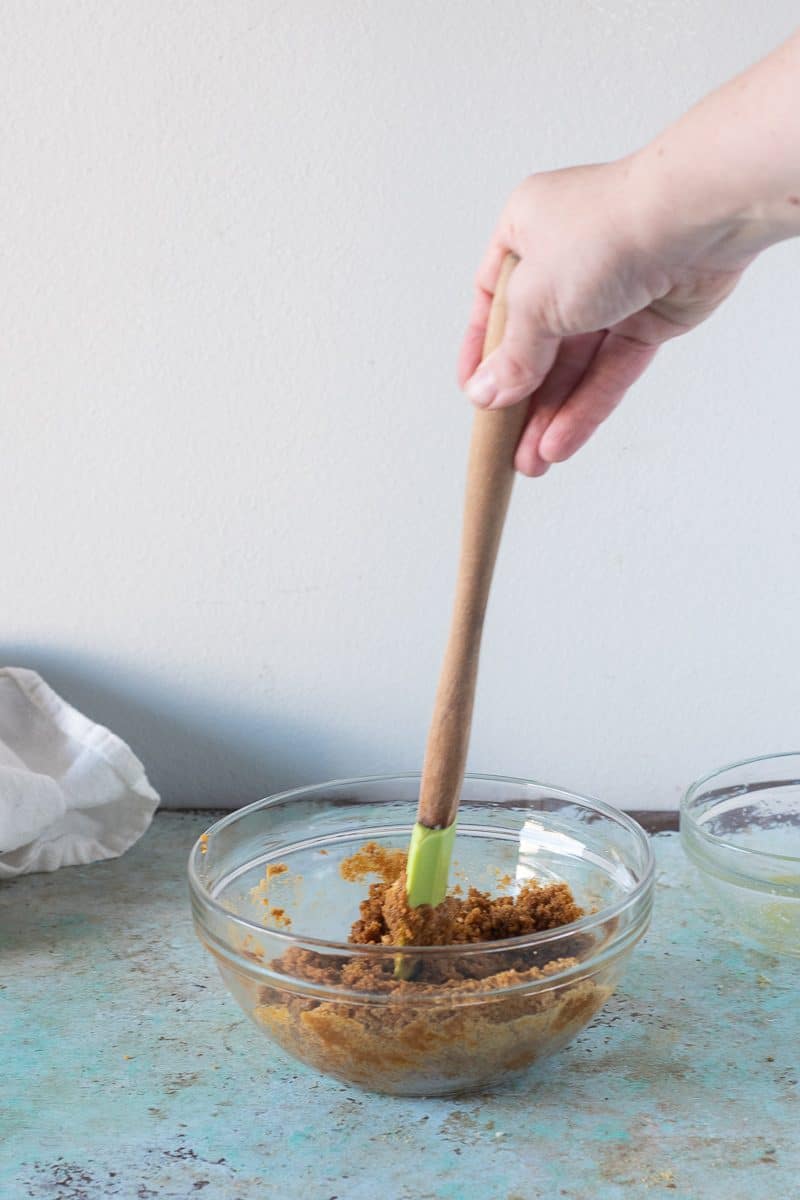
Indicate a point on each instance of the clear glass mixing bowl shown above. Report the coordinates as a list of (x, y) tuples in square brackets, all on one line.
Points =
[(741, 827), (270, 904)]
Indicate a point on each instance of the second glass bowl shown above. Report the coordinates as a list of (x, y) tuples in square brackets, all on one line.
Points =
[(741, 827)]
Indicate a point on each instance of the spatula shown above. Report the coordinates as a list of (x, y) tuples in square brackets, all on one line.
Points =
[(490, 476)]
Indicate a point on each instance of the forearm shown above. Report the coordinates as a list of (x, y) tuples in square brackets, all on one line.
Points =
[(731, 165)]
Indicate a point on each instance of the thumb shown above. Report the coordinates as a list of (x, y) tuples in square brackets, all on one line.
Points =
[(514, 370), (520, 363)]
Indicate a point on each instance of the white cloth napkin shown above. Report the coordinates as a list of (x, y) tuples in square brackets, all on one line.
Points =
[(71, 792)]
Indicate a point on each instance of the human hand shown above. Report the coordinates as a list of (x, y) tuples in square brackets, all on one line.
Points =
[(608, 271)]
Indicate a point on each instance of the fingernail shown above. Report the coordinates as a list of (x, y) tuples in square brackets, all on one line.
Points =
[(481, 389)]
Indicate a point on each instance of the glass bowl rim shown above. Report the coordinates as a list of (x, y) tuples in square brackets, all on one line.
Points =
[(713, 841), (642, 888)]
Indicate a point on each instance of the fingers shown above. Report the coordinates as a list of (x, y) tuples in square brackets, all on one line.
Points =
[(573, 358), (617, 363)]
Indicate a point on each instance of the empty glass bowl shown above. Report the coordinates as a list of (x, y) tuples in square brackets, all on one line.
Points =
[(270, 903), (741, 827)]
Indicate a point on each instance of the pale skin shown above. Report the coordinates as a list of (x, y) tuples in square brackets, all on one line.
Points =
[(617, 258)]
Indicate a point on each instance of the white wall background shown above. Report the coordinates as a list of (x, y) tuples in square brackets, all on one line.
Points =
[(237, 246)]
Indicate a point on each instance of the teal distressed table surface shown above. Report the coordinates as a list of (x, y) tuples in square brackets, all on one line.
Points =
[(128, 1071)]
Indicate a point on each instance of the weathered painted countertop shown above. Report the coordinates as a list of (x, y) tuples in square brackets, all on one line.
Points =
[(128, 1071)]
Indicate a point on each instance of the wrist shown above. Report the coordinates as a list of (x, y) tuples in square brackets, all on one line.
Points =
[(704, 196), (685, 210)]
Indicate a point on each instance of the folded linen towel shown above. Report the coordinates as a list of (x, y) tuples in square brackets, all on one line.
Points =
[(71, 791)]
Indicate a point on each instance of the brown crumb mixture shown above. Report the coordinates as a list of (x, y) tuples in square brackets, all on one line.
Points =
[(387, 919), (373, 859), (435, 1032), (478, 917), (260, 889), (278, 915)]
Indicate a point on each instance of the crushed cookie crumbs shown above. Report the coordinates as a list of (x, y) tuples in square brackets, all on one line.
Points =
[(434, 1028)]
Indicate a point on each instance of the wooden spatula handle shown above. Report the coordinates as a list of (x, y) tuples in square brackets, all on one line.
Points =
[(490, 477)]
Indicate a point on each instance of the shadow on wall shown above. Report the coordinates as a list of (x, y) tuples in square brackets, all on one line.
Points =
[(197, 753)]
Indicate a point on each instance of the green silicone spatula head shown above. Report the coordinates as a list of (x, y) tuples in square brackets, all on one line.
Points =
[(490, 476), (428, 866)]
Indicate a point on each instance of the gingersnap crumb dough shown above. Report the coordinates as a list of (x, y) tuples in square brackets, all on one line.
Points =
[(441, 1028), (386, 917)]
